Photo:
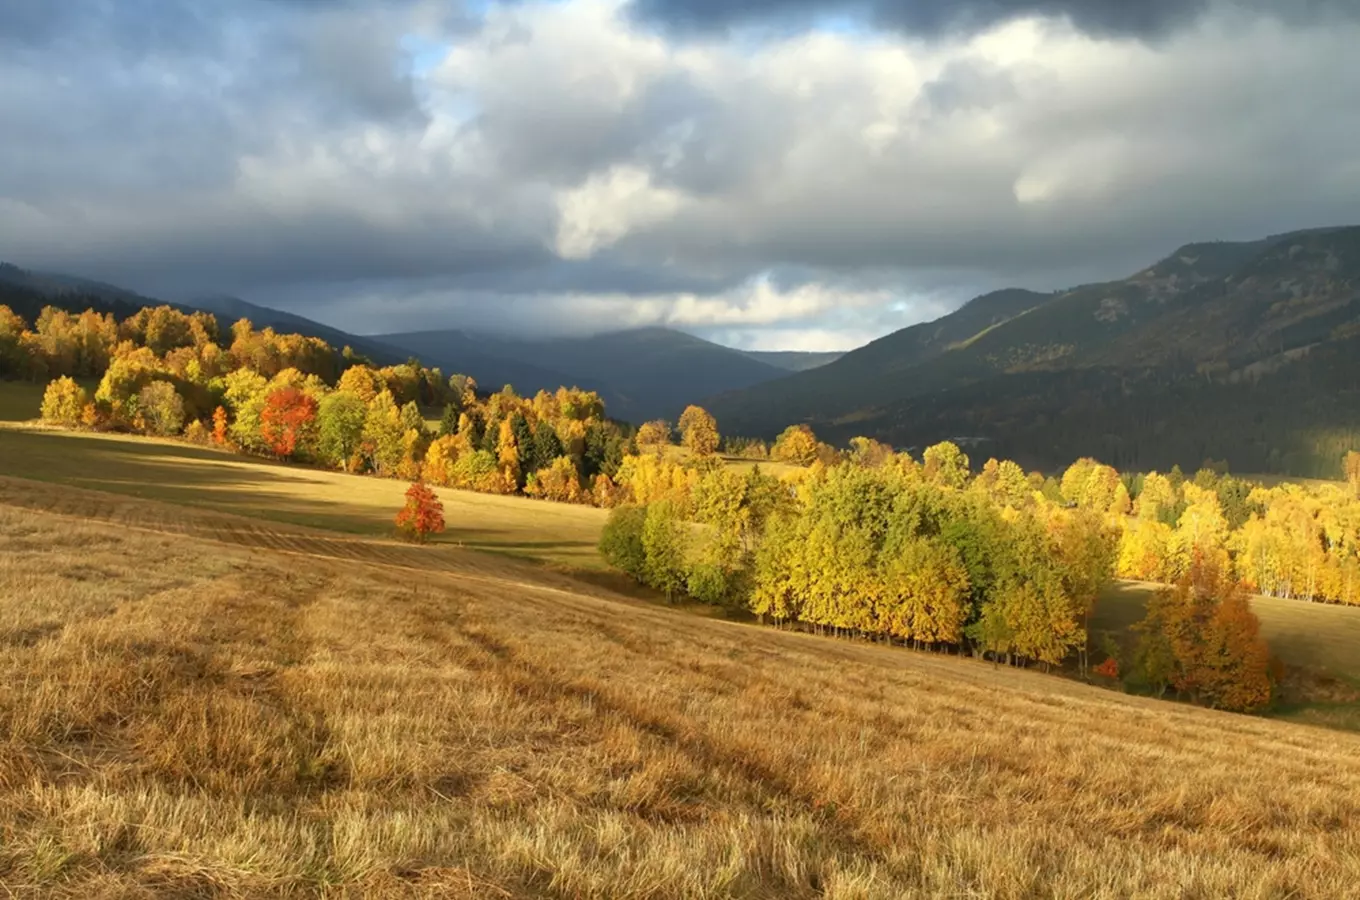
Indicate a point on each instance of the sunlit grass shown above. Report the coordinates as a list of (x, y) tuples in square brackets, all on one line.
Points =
[(182, 717)]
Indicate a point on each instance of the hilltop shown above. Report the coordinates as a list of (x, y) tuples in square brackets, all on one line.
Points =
[(1236, 351)]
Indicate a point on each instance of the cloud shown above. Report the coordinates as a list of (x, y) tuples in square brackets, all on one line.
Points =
[(542, 166), (1138, 18)]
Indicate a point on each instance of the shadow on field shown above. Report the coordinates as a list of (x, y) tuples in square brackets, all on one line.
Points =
[(205, 478)]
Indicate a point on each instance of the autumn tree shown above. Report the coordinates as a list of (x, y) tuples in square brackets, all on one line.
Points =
[(1202, 638), (287, 421), (653, 436), (946, 464), (423, 514), (383, 435), (699, 431), (63, 402), (1351, 465), (796, 444), (558, 482), (362, 382), (219, 431), (160, 409)]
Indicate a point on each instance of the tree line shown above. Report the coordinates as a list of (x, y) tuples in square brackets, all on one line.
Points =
[(997, 564), (866, 540)]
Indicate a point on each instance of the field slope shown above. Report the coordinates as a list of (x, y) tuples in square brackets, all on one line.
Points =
[(186, 712)]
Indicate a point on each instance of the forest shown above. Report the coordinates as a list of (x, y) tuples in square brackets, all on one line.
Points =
[(866, 540)]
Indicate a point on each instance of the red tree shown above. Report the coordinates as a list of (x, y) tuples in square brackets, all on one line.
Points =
[(1108, 669), (287, 415), (423, 514), (220, 427)]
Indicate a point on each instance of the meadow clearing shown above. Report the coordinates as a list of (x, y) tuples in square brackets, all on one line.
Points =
[(195, 709), (1316, 640)]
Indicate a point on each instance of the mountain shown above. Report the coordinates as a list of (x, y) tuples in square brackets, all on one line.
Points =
[(873, 375), (642, 374), (27, 292), (1248, 352), (231, 309), (793, 360)]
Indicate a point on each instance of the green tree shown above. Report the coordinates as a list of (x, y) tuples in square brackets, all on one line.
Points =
[(621, 541), (665, 548), (340, 428), (448, 422)]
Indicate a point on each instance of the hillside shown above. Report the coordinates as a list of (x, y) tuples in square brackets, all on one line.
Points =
[(1218, 350), (643, 374), (26, 293), (230, 309), (794, 360), (208, 714)]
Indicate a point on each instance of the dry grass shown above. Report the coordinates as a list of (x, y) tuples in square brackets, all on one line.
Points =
[(340, 717), (205, 478)]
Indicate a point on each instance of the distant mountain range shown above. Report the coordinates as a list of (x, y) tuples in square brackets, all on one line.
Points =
[(1246, 352), (641, 374)]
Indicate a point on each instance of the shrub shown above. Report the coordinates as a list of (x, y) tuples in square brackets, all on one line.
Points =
[(64, 402), (423, 514), (197, 433)]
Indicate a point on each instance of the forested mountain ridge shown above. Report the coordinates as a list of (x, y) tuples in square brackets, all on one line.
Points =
[(1244, 352), (643, 373)]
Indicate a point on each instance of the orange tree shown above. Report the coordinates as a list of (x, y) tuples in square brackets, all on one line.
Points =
[(287, 418), (423, 514), (1202, 638)]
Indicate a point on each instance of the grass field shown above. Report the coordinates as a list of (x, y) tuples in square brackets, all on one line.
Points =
[(1319, 641), (225, 712), (201, 477), (20, 400)]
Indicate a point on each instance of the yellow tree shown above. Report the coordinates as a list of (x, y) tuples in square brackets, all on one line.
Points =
[(797, 444), (362, 382), (654, 435), (558, 482), (1202, 530), (1145, 551), (946, 464), (1352, 467), (1158, 494), (925, 594), (442, 457), (699, 431), (64, 402), (507, 453)]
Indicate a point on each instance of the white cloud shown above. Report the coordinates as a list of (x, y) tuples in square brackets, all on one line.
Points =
[(563, 165)]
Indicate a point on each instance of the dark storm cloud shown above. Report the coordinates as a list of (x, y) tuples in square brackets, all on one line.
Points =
[(1139, 18), (554, 166)]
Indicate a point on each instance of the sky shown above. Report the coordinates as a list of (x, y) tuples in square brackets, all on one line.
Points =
[(771, 174)]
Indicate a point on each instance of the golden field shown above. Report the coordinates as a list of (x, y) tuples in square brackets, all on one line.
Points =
[(197, 704)]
